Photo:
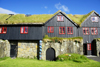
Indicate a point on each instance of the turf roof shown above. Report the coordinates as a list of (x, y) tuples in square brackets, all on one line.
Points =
[(42, 18), (78, 19)]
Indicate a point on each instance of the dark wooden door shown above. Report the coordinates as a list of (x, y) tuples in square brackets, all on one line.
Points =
[(50, 54), (93, 48), (13, 51)]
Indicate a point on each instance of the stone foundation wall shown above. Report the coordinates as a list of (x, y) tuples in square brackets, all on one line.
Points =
[(27, 49), (66, 46), (4, 48), (98, 46)]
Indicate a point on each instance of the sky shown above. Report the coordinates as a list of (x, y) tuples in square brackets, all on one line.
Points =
[(49, 6)]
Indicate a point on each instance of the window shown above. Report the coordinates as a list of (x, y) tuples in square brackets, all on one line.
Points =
[(60, 18), (61, 30), (50, 29), (88, 46), (24, 30), (94, 19), (3, 30), (86, 31), (94, 31), (69, 30)]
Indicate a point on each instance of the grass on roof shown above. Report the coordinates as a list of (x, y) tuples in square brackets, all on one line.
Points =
[(78, 19), (22, 18), (42, 18), (3, 18)]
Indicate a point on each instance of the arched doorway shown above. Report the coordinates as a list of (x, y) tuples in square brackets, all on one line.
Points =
[(50, 54)]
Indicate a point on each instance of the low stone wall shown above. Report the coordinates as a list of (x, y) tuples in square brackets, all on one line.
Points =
[(4, 48), (97, 46), (66, 46), (27, 49)]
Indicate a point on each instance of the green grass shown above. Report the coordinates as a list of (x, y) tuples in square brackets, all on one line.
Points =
[(21, 18), (78, 19), (72, 57), (42, 18), (18, 62), (60, 39), (3, 18)]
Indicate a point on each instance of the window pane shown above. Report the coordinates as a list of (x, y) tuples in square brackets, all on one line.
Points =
[(1, 30), (22, 29), (92, 30), (94, 19), (48, 29), (63, 30), (84, 31), (4, 30), (26, 29), (68, 29), (71, 30), (60, 30), (52, 29), (61, 18), (58, 18), (87, 31), (95, 30)]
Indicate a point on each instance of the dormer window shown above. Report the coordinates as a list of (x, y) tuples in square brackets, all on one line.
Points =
[(94, 19), (60, 18)]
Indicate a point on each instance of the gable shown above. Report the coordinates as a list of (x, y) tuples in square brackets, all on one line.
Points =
[(53, 21), (88, 22)]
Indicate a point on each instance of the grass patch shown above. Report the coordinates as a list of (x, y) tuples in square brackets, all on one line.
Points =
[(18, 62), (4, 58), (72, 57), (60, 39)]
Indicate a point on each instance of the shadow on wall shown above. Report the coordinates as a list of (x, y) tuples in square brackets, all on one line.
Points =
[(13, 48), (93, 48)]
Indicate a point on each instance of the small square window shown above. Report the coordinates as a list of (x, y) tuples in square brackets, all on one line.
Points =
[(69, 30), (3, 30), (50, 29), (86, 31), (94, 19), (60, 18), (61, 30), (94, 31), (24, 30)]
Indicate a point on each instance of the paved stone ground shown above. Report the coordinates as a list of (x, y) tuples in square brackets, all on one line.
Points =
[(94, 58)]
